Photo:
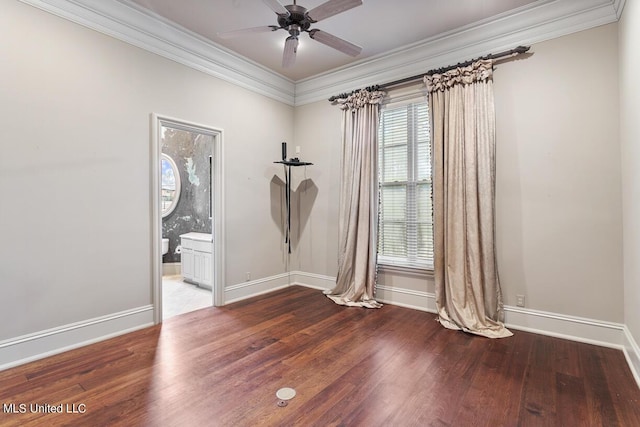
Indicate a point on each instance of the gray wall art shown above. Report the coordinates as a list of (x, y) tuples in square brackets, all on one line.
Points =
[(191, 153)]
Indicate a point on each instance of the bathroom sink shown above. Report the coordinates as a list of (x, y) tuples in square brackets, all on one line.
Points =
[(165, 246)]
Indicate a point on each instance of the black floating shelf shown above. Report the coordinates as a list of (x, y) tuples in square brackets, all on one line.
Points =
[(293, 163)]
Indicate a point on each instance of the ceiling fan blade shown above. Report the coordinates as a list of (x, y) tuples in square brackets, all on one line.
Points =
[(290, 49), (246, 31), (330, 8), (276, 6), (335, 42)]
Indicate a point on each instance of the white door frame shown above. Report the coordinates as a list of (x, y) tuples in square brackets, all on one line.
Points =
[(217, 226)]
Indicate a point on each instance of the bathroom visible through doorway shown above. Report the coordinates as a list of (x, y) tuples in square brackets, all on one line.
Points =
[(187, 215)]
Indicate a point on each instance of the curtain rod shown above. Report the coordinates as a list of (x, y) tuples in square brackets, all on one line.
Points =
[(518, 50)]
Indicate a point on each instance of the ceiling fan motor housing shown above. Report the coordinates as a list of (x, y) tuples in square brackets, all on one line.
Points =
[(297, 20)]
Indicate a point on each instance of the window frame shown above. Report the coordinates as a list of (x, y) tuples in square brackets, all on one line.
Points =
[(411, 184)]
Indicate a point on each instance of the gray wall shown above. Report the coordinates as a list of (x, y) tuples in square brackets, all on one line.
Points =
[(75, 169), (630, 136), (559, 203)]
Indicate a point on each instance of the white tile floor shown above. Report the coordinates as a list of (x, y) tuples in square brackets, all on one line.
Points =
[(179, 297)]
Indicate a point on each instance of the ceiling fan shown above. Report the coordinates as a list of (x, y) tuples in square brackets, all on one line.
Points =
[(296, 19)]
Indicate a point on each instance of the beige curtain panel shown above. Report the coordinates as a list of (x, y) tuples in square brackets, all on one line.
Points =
[(468, 295), (358, 212)]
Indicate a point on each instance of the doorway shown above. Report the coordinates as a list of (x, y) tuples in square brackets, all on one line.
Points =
[(187, 216)]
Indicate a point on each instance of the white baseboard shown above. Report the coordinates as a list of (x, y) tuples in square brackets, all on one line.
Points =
[(417, 300), (27, 348), (574, 328), (254, 288), (632, 354), (265, 285), (312, 280), (171, 269)]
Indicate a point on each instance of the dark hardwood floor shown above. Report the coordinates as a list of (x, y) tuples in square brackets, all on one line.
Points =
[(349, 366)]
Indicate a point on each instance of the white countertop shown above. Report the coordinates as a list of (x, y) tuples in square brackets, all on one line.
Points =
[(202, 237)]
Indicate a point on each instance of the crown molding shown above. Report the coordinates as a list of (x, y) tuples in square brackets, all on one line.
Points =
[(128, 22), (540, 21), (543, 20), (619, 7)]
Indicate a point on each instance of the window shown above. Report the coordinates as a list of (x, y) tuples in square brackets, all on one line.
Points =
[(405, 233)]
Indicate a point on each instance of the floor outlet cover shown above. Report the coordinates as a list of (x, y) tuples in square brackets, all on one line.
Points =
[(285, 393)]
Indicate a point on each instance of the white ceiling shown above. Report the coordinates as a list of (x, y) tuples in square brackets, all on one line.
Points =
[(378, 26)]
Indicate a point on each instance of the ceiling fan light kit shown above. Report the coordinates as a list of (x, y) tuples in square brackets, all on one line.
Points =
[(296, 19), (290, 49)]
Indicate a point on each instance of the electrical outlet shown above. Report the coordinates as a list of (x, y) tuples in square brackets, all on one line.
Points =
[(248, 275), (520, 300), (297, 149)]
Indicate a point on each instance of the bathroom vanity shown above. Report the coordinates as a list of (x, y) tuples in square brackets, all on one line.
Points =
[(196, 258)]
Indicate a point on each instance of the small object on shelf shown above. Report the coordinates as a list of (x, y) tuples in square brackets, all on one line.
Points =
[(293, 162)]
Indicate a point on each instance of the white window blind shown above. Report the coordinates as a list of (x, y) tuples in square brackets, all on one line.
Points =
[(405, 229)]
